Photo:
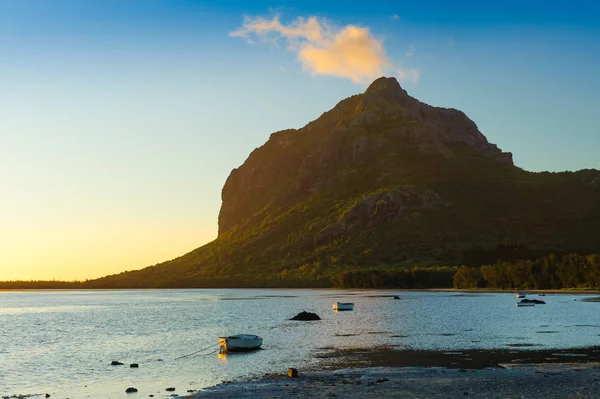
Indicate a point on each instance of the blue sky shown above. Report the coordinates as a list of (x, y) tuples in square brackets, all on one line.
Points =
[(121, 120)]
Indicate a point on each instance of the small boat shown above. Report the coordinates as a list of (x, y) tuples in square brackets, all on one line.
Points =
[(520, 295), (240, 343), (524, 304), (343, 306)]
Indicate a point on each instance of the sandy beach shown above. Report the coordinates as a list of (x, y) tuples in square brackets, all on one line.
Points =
[(432, 374)]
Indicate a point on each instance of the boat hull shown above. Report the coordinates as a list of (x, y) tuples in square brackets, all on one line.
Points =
[(240, 343), (339, 306)]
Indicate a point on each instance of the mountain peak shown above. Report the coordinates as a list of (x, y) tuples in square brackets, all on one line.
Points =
[(388, 88), (384, 84)]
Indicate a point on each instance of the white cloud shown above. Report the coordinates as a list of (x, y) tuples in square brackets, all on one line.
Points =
[(324, 49), (396, 17), (410, 52), (310, 29)]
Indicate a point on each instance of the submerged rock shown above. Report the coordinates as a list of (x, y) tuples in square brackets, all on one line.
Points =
[(171, 389), (306, 316), (116, 363), (134, 365), (131, 390)]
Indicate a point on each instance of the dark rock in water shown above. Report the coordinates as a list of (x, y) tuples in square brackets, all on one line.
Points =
[(396, 297), (292, 372), (306, 316), (134, 365), (170, 389), (382, 380), (131, 390), (47, 395), (115, 363), (536, 301)]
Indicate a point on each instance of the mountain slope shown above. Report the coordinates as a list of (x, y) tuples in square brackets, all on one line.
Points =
[(381, 180)]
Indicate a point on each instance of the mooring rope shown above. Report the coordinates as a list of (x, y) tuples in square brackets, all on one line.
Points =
[(198, 351)]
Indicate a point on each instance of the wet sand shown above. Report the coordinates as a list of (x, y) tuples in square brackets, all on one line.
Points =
[(467, 359), (382, 372), (526, 381)]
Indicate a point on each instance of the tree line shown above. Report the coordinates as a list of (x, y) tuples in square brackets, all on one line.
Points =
[(549, 272)]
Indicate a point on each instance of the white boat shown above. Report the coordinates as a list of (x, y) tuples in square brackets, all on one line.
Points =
[(524, 304), (520, 295), (240, 343), (343, 306)]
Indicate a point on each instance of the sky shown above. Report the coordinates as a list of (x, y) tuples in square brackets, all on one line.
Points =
[(121, 120)]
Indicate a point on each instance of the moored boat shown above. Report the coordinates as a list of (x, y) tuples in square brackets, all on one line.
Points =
[(518, 295), (240, 343), (343, 306)]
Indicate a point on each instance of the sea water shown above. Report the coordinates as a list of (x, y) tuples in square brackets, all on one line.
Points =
[(63, 342)]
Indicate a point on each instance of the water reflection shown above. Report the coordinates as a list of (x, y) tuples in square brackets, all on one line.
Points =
[(91, 329), (222, 357), (46, 309)]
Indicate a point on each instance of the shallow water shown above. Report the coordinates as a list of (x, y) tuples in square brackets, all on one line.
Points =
[(62, 342)]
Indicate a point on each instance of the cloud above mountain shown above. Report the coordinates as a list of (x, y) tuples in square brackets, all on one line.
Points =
[(350, 51)]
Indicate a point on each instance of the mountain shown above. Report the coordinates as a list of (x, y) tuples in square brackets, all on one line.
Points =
[(382, 181)]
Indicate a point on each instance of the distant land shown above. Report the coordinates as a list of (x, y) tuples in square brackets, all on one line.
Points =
[(386, 191)]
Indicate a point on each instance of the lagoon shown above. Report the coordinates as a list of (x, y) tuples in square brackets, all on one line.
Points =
[(62, 342)]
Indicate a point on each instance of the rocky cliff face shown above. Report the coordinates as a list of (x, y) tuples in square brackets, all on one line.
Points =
[(361, 132)]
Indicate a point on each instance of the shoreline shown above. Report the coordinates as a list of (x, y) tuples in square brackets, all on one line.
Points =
[(384, 372), (391, 373), (565, 380), (574, 291)]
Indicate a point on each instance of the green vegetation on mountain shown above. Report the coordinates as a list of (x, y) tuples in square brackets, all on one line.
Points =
[(381, 183)]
